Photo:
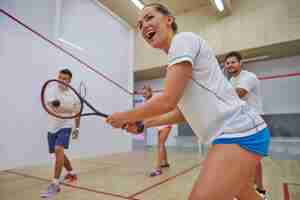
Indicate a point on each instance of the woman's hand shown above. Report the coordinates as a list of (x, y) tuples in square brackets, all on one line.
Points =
[(117, 120)]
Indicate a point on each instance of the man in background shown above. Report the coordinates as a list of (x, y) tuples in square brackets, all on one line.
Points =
[(247, 87), (59, 131)]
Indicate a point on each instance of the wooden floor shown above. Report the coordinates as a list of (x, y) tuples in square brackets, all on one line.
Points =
[(124, 176)]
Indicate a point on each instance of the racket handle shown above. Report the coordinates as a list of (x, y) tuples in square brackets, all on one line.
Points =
[(140, 126)]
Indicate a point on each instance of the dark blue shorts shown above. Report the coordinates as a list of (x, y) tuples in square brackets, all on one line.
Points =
[(61, 138)]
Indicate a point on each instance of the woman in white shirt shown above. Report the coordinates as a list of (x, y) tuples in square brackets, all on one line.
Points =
[(196, 91)]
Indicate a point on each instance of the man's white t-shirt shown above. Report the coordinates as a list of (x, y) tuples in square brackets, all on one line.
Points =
[(249, 82), (67, 99), (209, 103)]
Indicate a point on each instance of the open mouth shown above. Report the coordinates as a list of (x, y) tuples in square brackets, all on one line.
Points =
[(149, 35)]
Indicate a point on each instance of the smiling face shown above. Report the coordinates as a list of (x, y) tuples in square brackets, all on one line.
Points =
[(147, 92), (155, 28), (233, 65), (64, 78)]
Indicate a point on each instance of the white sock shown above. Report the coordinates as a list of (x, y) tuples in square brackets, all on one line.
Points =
[(55, 181)]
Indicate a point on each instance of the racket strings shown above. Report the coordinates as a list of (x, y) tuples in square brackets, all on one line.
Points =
[(60, 100), (82, 89)]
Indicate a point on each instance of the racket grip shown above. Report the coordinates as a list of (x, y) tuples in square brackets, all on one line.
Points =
[(140, 126), (55, 103)]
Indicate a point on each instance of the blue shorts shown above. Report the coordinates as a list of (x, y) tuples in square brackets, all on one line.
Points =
[(257, 143), (61, 137)]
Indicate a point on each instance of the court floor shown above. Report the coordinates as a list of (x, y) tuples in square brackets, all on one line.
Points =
[(124, 176)]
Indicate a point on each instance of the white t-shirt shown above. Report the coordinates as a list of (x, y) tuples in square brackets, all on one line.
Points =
[(249, 82), (67, 99), (209, 103)]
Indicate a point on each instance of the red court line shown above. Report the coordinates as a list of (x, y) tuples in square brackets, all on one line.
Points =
[(286, 194), (63, 50), (71, 186), (279, 76), (164, 181), (285, 188), (260, 78), (98, 72), (295, 184)]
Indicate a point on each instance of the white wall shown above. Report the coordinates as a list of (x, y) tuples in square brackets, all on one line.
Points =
[(27, 61), (280, 95), (151, 133)]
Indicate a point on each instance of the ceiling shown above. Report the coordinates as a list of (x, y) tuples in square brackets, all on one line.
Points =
[(285, 49), (180, 6), (129, 13)]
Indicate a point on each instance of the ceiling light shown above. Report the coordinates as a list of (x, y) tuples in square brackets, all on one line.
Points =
[(138, 4), (220, 5)]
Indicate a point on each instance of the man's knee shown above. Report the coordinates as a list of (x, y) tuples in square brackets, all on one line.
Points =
[(59, 150)]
